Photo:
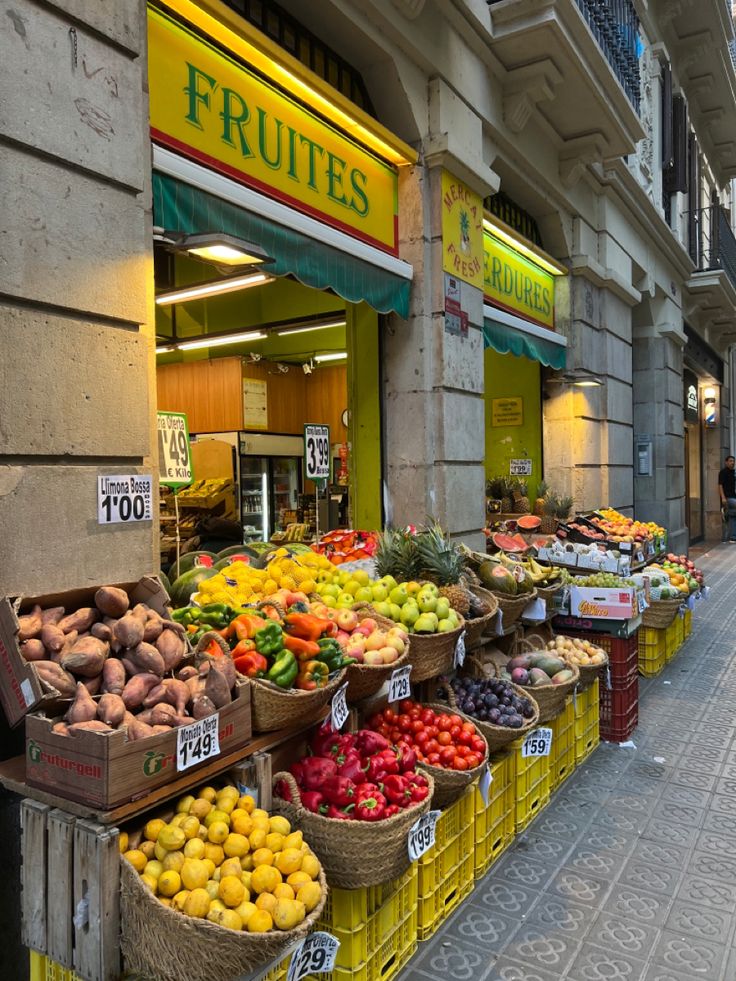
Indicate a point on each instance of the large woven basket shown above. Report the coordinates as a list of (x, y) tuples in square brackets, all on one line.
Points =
[(365, 680), (451, 784), (474, 629), (497, 737), (162, 944), (283, 708), (548, 593), (588, 672), (353, 853), (513, 606), (433, 654), (661, 613), (550, 698)]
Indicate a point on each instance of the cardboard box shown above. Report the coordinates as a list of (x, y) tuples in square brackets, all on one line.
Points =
[(603, 604), (21, 690), (104, 770)]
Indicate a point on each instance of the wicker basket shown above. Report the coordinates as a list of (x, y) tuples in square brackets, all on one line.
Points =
[(433, 654), (365, 680), (550, 698), (354, 853), (513, 606), (474, 629), (451, 784), (661, 613), (162, 944), (497, 737), (283, 708), (548, 593), (588, 672)]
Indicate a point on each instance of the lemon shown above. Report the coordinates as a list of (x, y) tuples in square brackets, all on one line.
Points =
[(263, 856), (265, 878), (246, 863), (208, 793), (210, 866), (154, 869), (279, 824), (284, 891), (258, 814), (173, 861), (148, 848), (275, 841), (123, 842), (190, 826), (159, 852), (218, 832), (215, 905), (171, 838), (298, 879), (197, 903), (200, 808), (214, 852), (137, 859), (260, 922), (310, 865), (246, 910), (236, 845), (245, 879), (294, 840), (309, 894), (288, 913), (177, 819), (179, 899), (266, 901), (152, 828), (226, 804), (164, 901), (231, 866), (217, 816), (232, 891), (290, 860), (169, 883), (149, 881), (213, 890), (194, 874), (185, 803), (241, 822), (194, 848), (228, 918), (257, 839)]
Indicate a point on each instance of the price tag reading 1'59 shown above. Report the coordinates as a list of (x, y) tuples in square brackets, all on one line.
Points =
[(422, 834), (198, 742), (317, 452), (339, 708), (537, 743)]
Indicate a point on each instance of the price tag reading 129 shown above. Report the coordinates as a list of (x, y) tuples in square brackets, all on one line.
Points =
[(339, 708), (422, 834), (198, 742), (398, 685), (314, 955), (316, 452)]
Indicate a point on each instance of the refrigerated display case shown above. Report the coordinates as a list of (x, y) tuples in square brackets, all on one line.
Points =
[(270, 479)]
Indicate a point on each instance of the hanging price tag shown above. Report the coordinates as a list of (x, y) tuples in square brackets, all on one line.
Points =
[(314, 955), (339, 708), (398, 685), (691, 602), (198, 742), (484, 785), (681, 612), (706, 592), (421, 835), (537, 743), (460, 650), (499, 623), (575, 701), (608, 678), (536, 610)]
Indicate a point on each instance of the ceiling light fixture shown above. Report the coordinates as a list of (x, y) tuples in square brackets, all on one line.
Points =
[(223, 249), (218, 340), (579, 377), (335, 356), (165, 349), (320, 325), (214, 288)]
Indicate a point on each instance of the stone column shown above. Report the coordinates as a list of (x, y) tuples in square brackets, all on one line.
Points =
[(77, 374)]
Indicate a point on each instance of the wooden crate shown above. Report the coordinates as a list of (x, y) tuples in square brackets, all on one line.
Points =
[(70, 903)]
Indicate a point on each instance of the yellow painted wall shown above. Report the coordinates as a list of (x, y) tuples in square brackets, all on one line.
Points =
[(507, 375)]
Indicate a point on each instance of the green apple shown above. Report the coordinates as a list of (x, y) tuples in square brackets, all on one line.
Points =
[(344, 600), (426, 601), (409, 613), (389, 582), (351, 586), (445, 626), (362, 577), (432, 587), (331, 590), (452, 617), (384, 609), (395, 612), (364, 594), (398, 595), (443, 608), (425, 624), (329, 601), (380, 592)]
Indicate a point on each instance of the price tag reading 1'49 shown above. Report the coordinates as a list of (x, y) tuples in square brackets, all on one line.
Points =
[(398, 684), (198, 742), (314, 955), (422, 835), (339, 708)]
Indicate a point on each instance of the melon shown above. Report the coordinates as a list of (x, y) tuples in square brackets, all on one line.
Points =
[(164, 580), (232, 550), (189, 561), (509, 543), (187, 584), (524, 581), (497, 577), (231, 559), (528, 522)]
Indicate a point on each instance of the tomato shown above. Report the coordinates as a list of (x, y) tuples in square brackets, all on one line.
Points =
[(473, 760), (433, 746), (375, 721), (455, 732), (427, 716), (417, 725), (395, 735), (462, 751), (389, 715), (406, 705), (447, 755), (456, 720), (384, 730), (415, 713), (404, 723), (469, 727), (478, 745), (433, 731), (433, 759), (444, 739), (444, 724), (422, 738), (465, 738), (459, 763)]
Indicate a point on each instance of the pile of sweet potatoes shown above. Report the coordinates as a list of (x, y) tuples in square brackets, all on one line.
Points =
[(131, 658)]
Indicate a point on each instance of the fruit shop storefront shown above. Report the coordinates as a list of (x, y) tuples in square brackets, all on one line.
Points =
[(519, 338), (276, 234)]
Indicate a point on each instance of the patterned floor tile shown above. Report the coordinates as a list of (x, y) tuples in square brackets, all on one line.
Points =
[(704, 892), (700, 921), (624, 935), (508, 970), (674, 813), (519, 869), (720, 822), (579, 887), (655, 972), (475, 925), (596, 861), (694, 958), (561, 916), (713, 866), (450, 959), (727, 782), (669, 833), (602, 839), (542, 948), (510, 898), (686, 796), (649, 770), (542, 847), (721, 804), (620, 821), (696, 779), (638, 906), (650, 877), (597, 964), (563, 826), (661, 853)]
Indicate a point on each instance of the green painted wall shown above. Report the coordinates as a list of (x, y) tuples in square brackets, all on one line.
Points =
[(365, 417), (507, 375)]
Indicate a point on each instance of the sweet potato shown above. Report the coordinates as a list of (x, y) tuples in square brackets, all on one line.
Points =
[(60, 729), (111, 709), (30, 624), (83, 708), (111, 601), (137, 688), (216, 687), (101, 631), (87, 657), (138, 730), (158, 729), (52, 637), (177, 628), (177, 694), (80, 621), (141, 611), (163, 714), (187, 672), (171, 648), (113, 676), (146, 658), (202, 706), (54, 677), (227, 667), (94, 725), (156, 694), (154, 626), (33, 650), (93, 685), (52, 615), (195, 686), (128, 631)]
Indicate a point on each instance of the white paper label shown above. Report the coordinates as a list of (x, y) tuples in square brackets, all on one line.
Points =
[(536, 610), (499, 623), (174, 450), (608, 678), (706, 592), (575, 701), (124, 498), (398, 685), (339, 708), (317, 452), (197, 742), (314, 955), (681, 612), (27, 689), (484, 785), (421, 835), (537, 743), (691, 602), (460, 650)]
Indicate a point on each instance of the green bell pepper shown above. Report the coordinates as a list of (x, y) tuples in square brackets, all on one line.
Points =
[(269, 640), (330, 652), (284, 670)]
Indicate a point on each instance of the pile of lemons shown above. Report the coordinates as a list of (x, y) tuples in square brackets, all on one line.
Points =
[(223, 859), (240, 583)]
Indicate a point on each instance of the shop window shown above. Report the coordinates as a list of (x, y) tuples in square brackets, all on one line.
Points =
[(502, 206)]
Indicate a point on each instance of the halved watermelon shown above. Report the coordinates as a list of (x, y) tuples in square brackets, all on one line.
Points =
[(189, 561), (509, 543), (528, 522), (231, 559), (187, 584)]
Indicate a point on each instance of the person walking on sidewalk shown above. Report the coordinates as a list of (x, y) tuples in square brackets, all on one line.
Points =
[(727, 491)]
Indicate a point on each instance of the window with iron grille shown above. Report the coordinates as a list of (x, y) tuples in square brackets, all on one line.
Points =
[(515, 217)]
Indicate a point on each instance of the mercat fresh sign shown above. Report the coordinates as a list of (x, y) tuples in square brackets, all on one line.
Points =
[(515, 283), (220, 113)]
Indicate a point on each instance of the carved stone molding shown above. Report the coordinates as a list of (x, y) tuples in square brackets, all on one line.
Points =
[(578, 154), (526, 87), (411, 9)]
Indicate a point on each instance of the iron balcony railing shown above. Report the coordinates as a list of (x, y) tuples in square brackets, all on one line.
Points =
[(615, 26), (712, 243)]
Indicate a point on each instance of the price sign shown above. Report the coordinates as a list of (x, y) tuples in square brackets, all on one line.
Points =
[(174, 450), (520, 468), (398, 684), (316, 452), (537, 743), (314, 955), (197, 742), (339, 708), (460, 650), (124, 499), (650, 548), (499, 624), (484, 784), (422, 834)]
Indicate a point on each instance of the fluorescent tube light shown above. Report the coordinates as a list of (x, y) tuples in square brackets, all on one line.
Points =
[(336, 356), (165, 349), (316, 326), (500, 232), (213, 288), (220, 339)]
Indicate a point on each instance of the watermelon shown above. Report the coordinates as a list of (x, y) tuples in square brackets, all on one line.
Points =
[(497, 577), (231, 559), (164, 580), (189, 560), (187, 584), (232, 550), (528, 522), (509, 543)]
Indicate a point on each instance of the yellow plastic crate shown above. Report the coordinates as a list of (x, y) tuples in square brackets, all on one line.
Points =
[(494, 824), (674, 637), (652, 636), (587, 742), (42, 968), (358, 940), (385, 961), (434, 908), (687, 623), (651, 660), (531, 785), (562, 753), (277, 973), (586, 707), (456, 818)]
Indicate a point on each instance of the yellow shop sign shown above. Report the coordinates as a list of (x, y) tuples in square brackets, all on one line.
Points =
[(462, 231), (211, 108), (515, 283)]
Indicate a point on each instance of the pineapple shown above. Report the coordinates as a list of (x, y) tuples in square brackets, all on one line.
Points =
[(396, 555), (495, 488), (564, 506), (386, 553), (521, 501), (443, 564), (549, 520), (507, 497), (542, 488)]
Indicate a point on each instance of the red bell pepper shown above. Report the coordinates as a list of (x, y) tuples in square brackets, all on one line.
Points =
[(317, 769), (371, 808), (252, 665), (419, 792), (390, 760), (397, 789), (366, 789), (369, 742), (391, 810), (314, 801), (282, 790), (340, 814), (308, 626), (352, 767), (327, 742), (406, 756), (339, 791), (297, 772), (303, 650)]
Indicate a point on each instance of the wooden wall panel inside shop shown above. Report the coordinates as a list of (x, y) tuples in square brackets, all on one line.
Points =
[(211, 395)]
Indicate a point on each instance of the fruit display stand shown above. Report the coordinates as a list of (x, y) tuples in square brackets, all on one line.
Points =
[(586, 709), (494, 818)]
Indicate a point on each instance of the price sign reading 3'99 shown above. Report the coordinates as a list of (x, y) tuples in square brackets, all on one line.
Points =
[(317, 452)]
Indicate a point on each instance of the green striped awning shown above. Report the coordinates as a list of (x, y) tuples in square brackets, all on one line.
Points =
[(178, 206), (526, 341)]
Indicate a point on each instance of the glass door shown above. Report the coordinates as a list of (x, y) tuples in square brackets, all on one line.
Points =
[(285, 485), (254, 496), (693, 481)]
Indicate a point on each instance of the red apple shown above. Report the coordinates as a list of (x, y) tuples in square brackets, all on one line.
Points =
[(347, 620), (389, 655)]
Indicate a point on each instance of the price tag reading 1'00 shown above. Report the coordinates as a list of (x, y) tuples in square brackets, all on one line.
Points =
[(398, 685), (339, 708), (422, 834), (314, 955), (198, 742)]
